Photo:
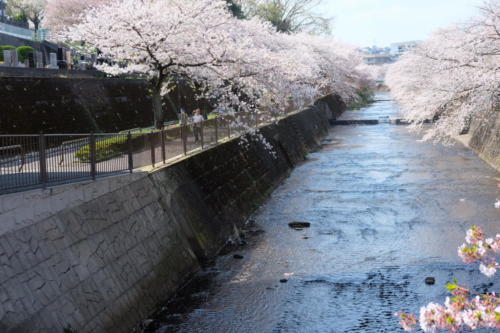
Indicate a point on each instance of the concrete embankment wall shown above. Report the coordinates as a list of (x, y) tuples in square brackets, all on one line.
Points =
[(99, 256), (485, 138)]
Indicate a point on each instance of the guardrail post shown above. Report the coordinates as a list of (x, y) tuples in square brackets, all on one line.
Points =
[(163, 155), (216, 129), (130, 156), (201, 133), (61, 161), (93, 156), (152, 146), (184, 138), (43, 160), (23, 158), (228, 128)]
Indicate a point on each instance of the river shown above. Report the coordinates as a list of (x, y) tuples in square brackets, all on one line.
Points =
[(386, 211)]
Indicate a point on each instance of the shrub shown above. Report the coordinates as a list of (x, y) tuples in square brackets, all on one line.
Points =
[(105, 149), (5, 48), (118, 145), (20, 18), (212, 115), (24, 51)]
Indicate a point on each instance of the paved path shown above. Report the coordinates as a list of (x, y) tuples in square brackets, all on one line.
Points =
[(386, 212)]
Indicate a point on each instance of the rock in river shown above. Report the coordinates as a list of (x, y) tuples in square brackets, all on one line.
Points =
[(299, 225)]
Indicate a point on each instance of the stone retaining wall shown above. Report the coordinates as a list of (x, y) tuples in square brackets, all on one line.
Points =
[(75, 104), (100, 255), (485, 138)]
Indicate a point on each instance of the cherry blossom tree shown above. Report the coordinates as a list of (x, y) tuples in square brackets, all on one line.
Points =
[(240, 64), (452, 78), (290, 16), (162, 40), (33, 10), (61, 14), (374, 72)]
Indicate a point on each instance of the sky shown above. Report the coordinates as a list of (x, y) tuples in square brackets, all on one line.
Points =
[(382, 22)]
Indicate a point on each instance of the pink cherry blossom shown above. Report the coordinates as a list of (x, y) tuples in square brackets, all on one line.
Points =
[(461, 311), (471, 318), (431, 317), (241, 64), (488, 269), (452, 77), (474, 235), (407, 321)]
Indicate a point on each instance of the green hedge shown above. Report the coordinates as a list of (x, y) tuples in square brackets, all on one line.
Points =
[(212, 115), (5, 48), (109, 148), (24, 51), (117, 145), (105, 149)]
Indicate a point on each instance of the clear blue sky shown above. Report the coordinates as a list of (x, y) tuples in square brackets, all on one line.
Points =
[(365, 22)]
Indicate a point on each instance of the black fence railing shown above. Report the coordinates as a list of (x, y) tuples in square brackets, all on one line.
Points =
[(30, 161)]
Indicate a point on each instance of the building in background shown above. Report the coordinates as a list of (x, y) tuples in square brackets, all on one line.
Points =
[(374, 55), (397, 49), (378, 59), (2, 10), (375, 50)]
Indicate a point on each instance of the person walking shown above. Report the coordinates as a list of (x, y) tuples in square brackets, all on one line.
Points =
[(197, 124)]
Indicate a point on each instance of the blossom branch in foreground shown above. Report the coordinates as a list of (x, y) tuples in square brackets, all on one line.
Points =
[(482, 250), (462, 310)]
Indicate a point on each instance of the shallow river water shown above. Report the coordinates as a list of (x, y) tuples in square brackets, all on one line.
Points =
[(386, 212)]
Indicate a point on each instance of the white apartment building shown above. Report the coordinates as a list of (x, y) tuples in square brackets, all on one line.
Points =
[(398, 49)]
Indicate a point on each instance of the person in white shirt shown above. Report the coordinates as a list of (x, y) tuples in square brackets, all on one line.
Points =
[(197, 123)]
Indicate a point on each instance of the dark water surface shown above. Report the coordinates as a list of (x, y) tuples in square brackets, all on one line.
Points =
[(386, 212)]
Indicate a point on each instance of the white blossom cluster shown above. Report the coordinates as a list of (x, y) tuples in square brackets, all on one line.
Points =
[(60, 14), (453, 78), (241, 64)]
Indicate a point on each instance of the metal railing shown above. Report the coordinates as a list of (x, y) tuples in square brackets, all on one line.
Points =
[(42, 34), (42, 160)]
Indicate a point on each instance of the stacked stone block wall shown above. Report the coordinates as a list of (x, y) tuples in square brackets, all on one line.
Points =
[(77, 104)]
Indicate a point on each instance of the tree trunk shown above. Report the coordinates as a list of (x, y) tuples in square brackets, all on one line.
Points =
[(36, 23), (157, 108), (172, 112)]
